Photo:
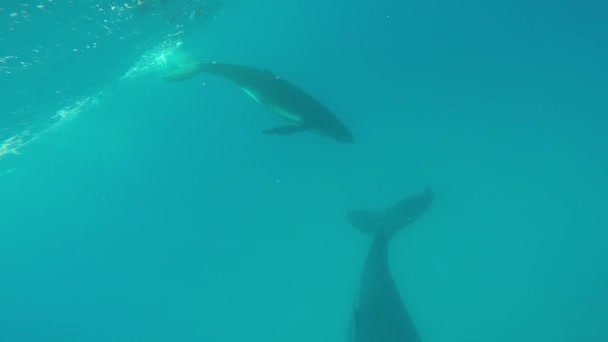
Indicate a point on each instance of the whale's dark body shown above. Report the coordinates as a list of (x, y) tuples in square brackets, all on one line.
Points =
[(379, 314), (303, 111)]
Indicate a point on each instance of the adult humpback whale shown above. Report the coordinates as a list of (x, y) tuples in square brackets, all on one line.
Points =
[(379, 314), (304, 112)]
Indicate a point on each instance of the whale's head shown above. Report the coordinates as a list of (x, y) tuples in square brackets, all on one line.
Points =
[(345, 137), (340, 133)]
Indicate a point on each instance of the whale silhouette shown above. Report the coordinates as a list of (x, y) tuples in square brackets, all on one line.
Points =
[(379, 314), (300, 109)]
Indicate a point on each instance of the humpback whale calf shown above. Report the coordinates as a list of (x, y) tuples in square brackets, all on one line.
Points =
[(301, 110), (379, 314)]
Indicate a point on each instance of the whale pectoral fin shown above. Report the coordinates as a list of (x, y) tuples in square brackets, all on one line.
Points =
[(284, 130)]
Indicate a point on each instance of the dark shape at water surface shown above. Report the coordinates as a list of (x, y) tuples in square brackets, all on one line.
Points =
[(379, 314)]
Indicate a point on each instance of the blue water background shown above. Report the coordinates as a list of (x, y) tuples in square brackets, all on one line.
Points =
[(163, 214)]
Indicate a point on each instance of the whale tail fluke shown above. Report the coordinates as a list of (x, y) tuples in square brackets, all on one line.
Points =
[(183, 72), (394, 218), (367, 221), (183, 66)]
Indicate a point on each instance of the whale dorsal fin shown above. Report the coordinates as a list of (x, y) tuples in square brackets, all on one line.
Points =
[(270, 73)]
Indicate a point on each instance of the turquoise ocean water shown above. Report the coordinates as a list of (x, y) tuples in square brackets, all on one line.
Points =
[(135, 209)]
